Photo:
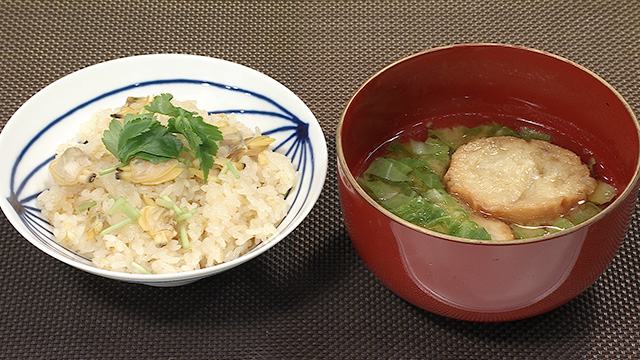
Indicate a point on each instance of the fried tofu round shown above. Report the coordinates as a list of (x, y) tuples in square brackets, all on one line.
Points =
[(497, 229), (525, 182)]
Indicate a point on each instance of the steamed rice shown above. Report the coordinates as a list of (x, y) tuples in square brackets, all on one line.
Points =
[(233, 215)]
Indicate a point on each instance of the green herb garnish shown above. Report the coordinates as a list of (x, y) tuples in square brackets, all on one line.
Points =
[(116, 226), (200, 136), (181, 215), (143, 136), (126, 208), (184, 237), (86, 206), (140, 268), (228, 166)]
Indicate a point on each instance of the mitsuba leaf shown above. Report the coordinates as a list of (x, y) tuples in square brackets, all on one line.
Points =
[(208, 133), (155, 144), (162, 104), (200, 136), (135, 127), (111, 137), (142, 135)]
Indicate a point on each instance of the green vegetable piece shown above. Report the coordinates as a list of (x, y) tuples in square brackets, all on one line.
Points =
[(143, 136), (233, 169), (86, 206), (123, 205), (452, 137), (530, 134), (116, 226), (425, 178), (109, 170), (436, 147), (603, 193), (165, 203), (389, 169), (172, 204), (583, 212), (430, 147), (200, 136), (139, 268), (116, 205), (441, 198), (562, 223), (161, 104), (184, 237), (441, 225), (154, 142), (134, 125), (228, 166), (470, 230), (422, 178), (591, 163), (417, 147), (522, 232), (131, 212), (439, 167), (418, 211), (111, 137), (380, 190), (559, 224), (496, 129), (397, 150), (186, 214)]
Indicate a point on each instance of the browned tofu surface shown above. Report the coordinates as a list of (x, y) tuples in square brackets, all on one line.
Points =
[(525, 182)]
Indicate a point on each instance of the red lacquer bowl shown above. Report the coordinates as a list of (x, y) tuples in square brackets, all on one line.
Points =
[(471, 84)]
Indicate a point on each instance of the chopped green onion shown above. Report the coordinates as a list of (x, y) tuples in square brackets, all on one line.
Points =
[(117, 226), (164, 203), (139, 267), (116, 205), (122, 204), (174, 206), (184, 237), (225, 168), (186, 214), (181, 213), (109, 170), (84, 207), (131, 212), (233, 169)]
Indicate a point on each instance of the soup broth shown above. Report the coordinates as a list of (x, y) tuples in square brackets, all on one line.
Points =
[(406, 175)]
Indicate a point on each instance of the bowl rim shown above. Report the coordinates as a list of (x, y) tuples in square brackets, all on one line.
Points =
[(320, 160), (351, 179)]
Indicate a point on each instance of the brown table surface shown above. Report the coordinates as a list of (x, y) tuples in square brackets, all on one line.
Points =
[(310, 296)]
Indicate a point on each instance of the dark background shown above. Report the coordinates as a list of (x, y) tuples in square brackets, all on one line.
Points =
[(310, 296)]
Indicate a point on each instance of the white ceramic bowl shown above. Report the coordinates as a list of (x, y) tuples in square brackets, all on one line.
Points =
[(52, 116)]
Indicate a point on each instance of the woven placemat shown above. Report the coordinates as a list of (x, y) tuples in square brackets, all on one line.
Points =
[(310, 296)]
